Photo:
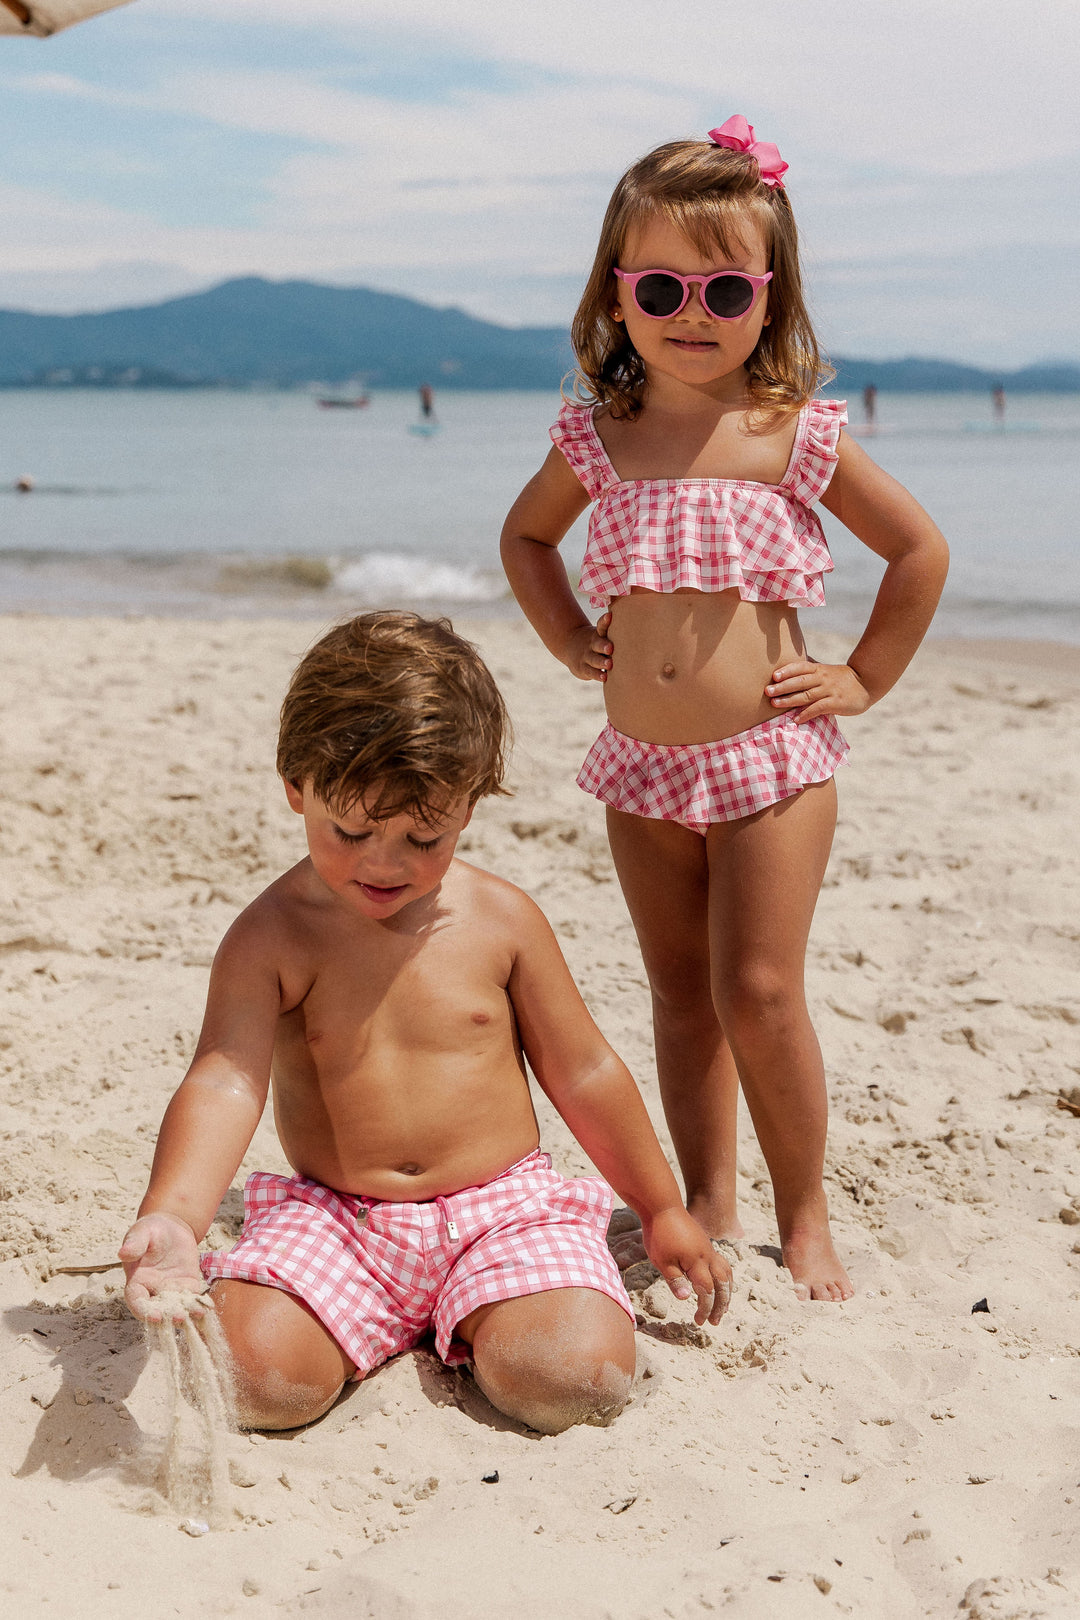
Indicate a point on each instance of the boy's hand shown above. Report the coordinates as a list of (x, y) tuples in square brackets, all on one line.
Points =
[(160, 1256), (679, 1248)]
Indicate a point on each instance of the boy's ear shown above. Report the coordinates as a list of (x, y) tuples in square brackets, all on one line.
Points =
[(468, 816), (295, 796)]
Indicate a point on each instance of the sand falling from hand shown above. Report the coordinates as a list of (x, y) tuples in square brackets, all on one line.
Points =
[(195, 1465)]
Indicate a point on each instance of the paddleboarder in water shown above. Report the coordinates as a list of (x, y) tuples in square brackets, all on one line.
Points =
[(869, 400)]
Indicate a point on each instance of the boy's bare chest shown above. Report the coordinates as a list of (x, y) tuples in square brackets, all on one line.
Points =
[(442, 994)]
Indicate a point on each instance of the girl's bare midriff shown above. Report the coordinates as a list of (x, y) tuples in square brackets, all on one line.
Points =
[(692, 667)]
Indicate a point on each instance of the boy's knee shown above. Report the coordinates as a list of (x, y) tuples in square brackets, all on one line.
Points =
[(283, 1373), (593, 1392), (550, 1384), (551, 1400), (266, 1398)]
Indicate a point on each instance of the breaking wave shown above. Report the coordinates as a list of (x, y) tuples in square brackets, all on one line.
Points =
[(202, 582)]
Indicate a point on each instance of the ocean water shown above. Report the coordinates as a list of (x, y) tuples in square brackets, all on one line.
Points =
[(213, 503)]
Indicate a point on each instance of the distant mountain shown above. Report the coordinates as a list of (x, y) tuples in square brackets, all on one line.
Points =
[(915, 375), (252, 332)]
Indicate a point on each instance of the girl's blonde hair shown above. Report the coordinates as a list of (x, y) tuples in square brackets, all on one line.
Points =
[(708, 193)]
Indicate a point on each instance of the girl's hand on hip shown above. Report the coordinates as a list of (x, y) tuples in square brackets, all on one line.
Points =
[(812, 689), (588, 651)]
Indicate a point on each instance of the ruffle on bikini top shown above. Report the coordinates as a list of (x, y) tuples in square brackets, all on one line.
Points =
[(706, 534)]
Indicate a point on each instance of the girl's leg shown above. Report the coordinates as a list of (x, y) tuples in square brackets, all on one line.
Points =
[(664, 872), (764, 875)]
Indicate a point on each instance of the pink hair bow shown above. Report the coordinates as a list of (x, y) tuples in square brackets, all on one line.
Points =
[(738, 135)]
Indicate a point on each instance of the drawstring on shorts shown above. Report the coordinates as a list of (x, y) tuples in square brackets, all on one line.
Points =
[(444, 1211)]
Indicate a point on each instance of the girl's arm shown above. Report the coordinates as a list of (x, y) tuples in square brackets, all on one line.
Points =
[(596, 1096), (535, 524), (884, 516), (207, 1126)]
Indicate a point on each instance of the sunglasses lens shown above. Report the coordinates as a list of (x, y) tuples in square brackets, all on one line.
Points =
[(658, 295), (729, 296)]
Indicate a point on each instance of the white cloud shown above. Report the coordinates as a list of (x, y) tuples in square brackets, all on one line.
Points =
[(969, 86)]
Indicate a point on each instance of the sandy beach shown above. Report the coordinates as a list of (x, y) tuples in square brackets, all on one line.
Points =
[(912, 1453)]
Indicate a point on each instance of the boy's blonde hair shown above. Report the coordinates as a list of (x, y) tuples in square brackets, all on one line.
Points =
[(396, 713), (707, 192)]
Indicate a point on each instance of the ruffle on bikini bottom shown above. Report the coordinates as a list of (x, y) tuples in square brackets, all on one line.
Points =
[(699, 783)]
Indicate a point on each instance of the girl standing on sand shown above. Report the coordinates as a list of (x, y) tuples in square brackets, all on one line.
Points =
[(703, 444)]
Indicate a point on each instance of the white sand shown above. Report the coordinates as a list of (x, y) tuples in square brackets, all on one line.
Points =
[(890, 1458)]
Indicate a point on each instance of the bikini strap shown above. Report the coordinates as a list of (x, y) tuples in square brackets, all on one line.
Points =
[(574, 433), (814, 455)]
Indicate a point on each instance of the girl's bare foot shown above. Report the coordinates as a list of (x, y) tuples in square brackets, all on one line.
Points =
[(717, 1217), (815, 1265), (625, 1240)]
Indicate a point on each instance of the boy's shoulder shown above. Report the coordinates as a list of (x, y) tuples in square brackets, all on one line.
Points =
[(295, 913), (277, 911), (492, 897), (489, 888)]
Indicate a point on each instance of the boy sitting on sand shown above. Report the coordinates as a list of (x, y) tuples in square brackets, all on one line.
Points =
[(393, 994)]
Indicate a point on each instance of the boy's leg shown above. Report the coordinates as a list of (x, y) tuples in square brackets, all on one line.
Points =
[(553, 1359), (287, 1369), (764, 875), (664, 873)]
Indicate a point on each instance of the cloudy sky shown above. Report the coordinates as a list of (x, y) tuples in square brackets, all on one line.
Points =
[(462, 151)]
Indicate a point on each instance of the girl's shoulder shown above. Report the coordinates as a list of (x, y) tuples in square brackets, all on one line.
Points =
[(814, 453), (574, 433)]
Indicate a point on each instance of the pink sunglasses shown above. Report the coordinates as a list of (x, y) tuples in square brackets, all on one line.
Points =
[(725, 295)]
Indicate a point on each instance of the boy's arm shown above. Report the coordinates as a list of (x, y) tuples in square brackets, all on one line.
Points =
[(596, 1096), (208, 1124)]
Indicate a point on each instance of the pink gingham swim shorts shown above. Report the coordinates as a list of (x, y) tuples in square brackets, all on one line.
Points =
[(699, 783), (380, 1274)]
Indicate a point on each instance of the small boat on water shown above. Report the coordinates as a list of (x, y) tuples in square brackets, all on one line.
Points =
[(337, 402)]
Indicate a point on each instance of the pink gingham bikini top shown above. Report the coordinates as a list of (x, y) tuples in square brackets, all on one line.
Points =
[(708, 534)]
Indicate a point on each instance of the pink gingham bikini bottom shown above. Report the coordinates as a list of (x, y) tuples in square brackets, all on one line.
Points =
[(380, 1274), (699, 783)]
